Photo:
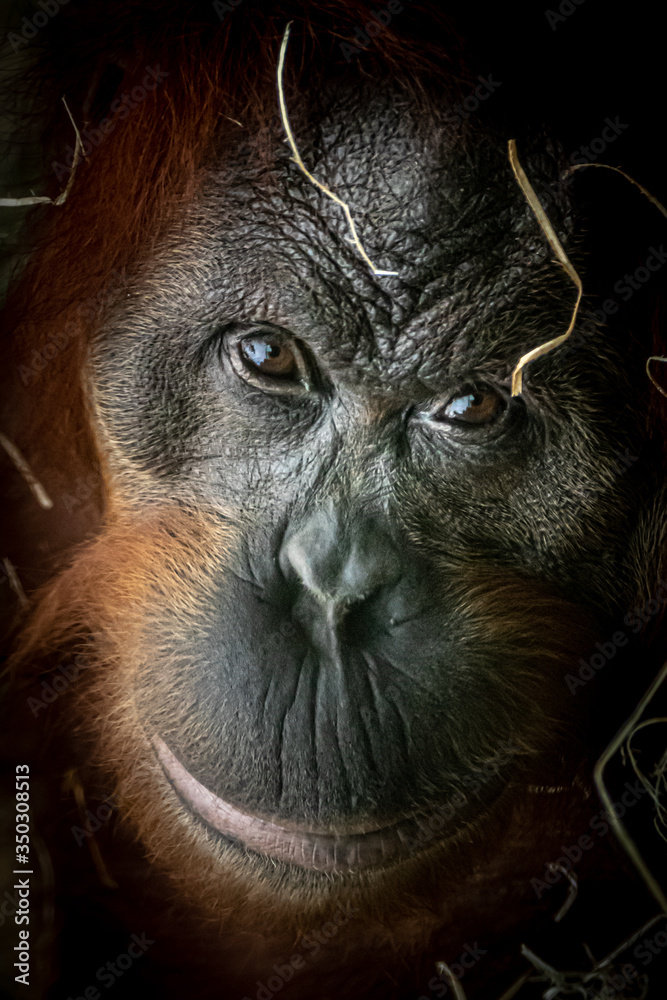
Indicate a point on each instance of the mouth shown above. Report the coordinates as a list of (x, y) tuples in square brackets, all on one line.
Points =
[(361, 849)]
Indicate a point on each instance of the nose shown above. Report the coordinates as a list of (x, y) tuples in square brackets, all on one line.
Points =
[(340, 559)]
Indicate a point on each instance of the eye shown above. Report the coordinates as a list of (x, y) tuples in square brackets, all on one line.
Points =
[(474, 408), (272, 361), (269, 356)]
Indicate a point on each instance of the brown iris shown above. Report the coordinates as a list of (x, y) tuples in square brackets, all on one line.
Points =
[(477, 407), (269, 356)]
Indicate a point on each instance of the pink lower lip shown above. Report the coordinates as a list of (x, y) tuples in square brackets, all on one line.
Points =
[(306, 849)]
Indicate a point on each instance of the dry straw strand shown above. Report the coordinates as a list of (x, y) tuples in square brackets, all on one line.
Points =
[(624, 838), (454, 984), (655, 357), (572, 892), (14, 582), (617, 170), (661, 208), (555, 244), (296, 156), (62, 197), (72, 784), (655, 788), (512, 990), (19, 461)]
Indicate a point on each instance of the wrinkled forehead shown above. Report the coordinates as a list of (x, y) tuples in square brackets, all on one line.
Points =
[(421, 195), (441, 211)]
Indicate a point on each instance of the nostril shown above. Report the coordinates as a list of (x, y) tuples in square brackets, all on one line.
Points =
[(336, 609)]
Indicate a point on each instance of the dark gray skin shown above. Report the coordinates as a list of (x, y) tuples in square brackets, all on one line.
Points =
[(336, 675)]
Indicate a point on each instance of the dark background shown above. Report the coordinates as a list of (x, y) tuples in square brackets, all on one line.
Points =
[(594, 61)]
